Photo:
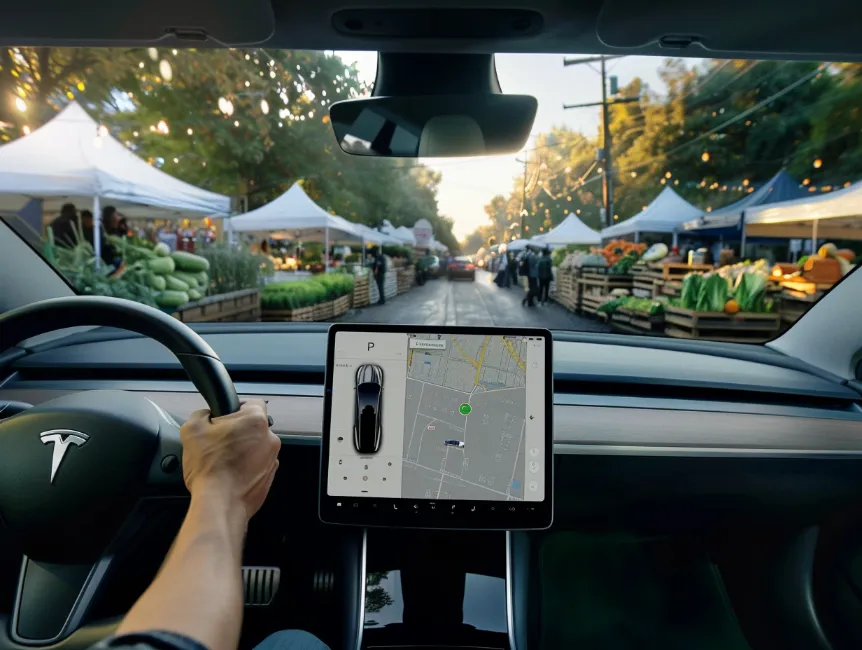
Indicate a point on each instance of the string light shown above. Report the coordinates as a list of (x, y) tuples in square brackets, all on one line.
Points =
[(667, 174), (20, 104), (189, 131), (141, 64), (634, 174), (806, 181), (26, 130), (818, 163), (705, 156), (264, 106), (162, 127), (135, 133), (176, 160), (153, 53), (165, 70), (745, 182), (236, 122)]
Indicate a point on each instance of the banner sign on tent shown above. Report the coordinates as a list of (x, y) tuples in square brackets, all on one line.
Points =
[(423, 231)]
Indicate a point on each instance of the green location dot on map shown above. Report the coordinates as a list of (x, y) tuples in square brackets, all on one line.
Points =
[(465, 409)]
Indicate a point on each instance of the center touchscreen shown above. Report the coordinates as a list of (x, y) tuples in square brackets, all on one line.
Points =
[(437, 427)]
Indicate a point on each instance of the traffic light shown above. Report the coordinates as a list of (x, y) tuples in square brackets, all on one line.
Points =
[(615, 86)]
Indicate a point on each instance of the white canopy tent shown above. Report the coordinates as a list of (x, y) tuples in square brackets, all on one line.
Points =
[(404, 235), (837, 215), (71, 159), (518, 245), (299, 217), (571, 231), (666, 212)]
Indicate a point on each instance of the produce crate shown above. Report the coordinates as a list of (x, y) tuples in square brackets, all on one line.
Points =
[(566, 293), (678, 270), (243, 305), (323, 311), (643, 286), (637, 322), (341, 305), (302, 314), (405, 279), (670, 288), (743, 327), (593, 287), (360, 291)]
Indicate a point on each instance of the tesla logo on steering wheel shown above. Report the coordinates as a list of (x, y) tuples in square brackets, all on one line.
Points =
[(61, 439)]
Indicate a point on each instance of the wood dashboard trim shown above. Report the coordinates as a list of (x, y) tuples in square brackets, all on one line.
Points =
[(584, 429)]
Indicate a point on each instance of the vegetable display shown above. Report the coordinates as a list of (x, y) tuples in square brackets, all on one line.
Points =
[(646, 305), (717, 292), (655, 253), (306, 293)]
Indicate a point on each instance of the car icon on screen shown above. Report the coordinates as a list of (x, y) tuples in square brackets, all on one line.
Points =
[(454, 443), (367, 424)]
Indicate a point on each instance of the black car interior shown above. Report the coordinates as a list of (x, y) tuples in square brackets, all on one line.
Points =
[(705, 495)]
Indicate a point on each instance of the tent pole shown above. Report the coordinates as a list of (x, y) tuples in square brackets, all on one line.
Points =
[(326, 249), (742, 240), (675, 239), (814, 229), (97, 230), (363, 251)]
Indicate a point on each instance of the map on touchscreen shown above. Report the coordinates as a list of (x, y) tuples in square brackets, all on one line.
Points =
[(438, 417)]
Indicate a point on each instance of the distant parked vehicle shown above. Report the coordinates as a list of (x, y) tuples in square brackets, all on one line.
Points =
[(461, 267)]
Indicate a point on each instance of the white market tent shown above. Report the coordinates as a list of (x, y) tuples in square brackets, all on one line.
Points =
[(666, 212), (71, 160), (571, 231), (299, 217), (837, 215), (518, 245), (404, 235)]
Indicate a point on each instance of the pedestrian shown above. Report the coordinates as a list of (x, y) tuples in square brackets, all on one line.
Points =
[(378, 269), (513, 270), (546, 274), (502, 271), (530, 268)]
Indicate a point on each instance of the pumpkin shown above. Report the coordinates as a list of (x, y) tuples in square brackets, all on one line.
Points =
[(809, 262), (828, 250), (731, 307)]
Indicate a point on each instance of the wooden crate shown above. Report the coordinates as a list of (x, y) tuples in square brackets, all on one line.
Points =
[(637, 322), (643, 286), (677, 271), (243, 305), (323, 311), (718, 326), (341, 305), (594, 289), (360, 292), (405, 279), (303, 314), (590, 303), (566, 293)]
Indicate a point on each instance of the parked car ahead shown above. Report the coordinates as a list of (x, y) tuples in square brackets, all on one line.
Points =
[(461, 267)]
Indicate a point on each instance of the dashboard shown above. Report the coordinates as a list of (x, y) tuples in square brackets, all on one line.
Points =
[(713, 444)]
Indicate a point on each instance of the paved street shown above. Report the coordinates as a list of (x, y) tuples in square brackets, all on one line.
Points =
[(461, 302)]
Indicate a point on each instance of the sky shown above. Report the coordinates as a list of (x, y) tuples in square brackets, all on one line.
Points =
[(469, 183)]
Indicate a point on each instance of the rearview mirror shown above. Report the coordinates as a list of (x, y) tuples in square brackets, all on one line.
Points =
[(434, 126)]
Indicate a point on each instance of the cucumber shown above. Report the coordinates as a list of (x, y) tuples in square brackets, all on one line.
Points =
[(203, 279), (194, 294), (189, 278), (157, 282), (189, 262), (162, 265), (175, 284), (162, 249), (172, 298)]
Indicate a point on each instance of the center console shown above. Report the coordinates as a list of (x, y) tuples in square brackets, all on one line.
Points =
[(436, 589)]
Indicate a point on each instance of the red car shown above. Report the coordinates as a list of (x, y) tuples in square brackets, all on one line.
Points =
[(461, 267)]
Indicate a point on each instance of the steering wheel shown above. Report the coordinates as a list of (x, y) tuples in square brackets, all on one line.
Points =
[(80, 475)]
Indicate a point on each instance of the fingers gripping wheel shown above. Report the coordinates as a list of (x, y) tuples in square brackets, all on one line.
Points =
[(73, 469)]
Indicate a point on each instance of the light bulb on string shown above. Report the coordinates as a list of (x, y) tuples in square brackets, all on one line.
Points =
[(165, 70), (667, 174), (705, 156), (25, 130), (174, 52), (135, 133), (189, 131), (153, 53), (634, 174), (141, 64), (745, 182), (176, 160), (247, 84), (272, 74), (20, 104), (162, 127), (236, 122), (818, 163), (264, 106)]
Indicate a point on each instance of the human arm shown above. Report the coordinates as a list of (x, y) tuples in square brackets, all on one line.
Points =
[(228, 464)]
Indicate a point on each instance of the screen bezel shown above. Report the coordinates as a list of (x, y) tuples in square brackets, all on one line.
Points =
[(417, 513)]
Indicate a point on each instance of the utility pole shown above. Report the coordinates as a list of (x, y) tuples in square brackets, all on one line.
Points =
[(523, 193), (605, 152)]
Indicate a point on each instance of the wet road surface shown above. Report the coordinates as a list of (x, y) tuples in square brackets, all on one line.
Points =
[(461, 302)]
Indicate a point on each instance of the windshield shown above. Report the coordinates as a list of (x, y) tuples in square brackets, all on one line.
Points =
[(691, 198)]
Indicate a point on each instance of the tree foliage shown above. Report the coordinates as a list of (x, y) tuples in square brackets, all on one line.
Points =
[(721, 129), (239, 122)]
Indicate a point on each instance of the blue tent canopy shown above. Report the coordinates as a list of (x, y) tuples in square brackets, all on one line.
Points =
[(726, 222)]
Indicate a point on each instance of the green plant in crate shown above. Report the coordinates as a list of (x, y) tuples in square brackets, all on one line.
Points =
[(233, 268), (292, 295)]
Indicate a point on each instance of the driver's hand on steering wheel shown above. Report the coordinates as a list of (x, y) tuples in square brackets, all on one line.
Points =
[(234, 456)]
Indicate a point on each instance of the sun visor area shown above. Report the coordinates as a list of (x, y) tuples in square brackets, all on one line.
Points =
[(828, 28), (162, 22)]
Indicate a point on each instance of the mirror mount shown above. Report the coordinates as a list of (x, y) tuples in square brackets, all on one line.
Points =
[(435, 74)]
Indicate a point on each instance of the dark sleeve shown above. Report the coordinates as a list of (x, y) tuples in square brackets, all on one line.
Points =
[(153, 640), (109, 252)]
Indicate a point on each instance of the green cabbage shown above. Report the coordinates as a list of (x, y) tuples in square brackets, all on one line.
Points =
[(690, 290)]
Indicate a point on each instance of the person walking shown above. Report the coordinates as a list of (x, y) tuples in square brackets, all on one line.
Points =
[(546, 274), (502, 271), (530, 264), (378, 269), (513, 270)]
